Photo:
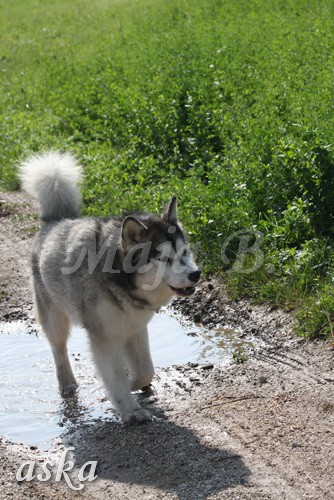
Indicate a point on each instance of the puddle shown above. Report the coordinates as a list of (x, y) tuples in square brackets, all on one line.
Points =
[(32, 411)]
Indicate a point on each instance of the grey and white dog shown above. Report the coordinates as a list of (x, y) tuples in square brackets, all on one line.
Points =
[(107, 275)]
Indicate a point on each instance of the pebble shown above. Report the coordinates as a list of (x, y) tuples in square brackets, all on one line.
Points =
[(208, 366)]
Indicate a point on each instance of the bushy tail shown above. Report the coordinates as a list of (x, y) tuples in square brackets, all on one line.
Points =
[(53, 178)]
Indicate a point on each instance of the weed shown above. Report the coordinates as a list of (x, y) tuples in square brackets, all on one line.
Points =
[(239, 356)]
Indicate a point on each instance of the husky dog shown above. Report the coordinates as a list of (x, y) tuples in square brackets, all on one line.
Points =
[(107, 275)]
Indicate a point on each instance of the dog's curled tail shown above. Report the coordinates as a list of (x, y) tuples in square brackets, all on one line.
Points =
[(53, 178)]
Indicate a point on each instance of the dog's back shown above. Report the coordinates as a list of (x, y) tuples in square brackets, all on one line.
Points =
[(54, 180)]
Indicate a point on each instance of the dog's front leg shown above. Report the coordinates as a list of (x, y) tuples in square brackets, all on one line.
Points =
[(110, 360), (139, 360)]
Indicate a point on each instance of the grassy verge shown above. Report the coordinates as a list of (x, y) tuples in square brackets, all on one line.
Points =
[(228, 105)]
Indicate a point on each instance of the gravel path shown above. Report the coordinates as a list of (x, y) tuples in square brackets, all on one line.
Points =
[(262, 429)]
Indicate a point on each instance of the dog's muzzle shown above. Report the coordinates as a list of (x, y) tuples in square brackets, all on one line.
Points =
[(189, 290)]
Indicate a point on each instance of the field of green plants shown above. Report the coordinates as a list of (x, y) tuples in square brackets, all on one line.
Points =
[(227, 104)]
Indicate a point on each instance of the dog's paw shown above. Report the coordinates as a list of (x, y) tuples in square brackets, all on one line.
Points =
[(69, 390), (138, 417)]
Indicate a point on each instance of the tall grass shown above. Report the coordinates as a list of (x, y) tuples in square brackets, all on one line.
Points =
[(229, 105)]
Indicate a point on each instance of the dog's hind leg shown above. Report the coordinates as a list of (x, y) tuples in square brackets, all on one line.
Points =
[(140, 361), (56, 327)]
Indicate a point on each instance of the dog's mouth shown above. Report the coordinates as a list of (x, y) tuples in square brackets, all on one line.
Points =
[(183, 292)]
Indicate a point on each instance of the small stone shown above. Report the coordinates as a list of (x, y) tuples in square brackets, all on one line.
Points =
[(209, 366), (150, 401)]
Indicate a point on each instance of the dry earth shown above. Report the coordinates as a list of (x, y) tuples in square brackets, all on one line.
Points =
[(263, 429)]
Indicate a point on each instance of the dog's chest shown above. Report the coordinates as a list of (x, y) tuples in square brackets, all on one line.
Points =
[(124, 322)]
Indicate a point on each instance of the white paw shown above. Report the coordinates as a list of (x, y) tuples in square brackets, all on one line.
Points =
[(137, 417), (69, 390)]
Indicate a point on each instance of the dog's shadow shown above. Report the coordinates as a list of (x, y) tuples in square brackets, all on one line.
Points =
[(160, 454)]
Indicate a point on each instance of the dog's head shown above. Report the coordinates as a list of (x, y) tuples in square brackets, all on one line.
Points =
[(157, 248)]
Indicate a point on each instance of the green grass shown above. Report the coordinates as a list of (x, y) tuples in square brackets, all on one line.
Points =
[(228, 105), (3, 295)]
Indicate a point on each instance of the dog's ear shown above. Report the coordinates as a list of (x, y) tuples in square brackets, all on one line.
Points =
[(132, 232), (170, 214)]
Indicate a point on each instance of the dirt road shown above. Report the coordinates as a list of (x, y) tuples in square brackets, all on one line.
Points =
[(262, 429)]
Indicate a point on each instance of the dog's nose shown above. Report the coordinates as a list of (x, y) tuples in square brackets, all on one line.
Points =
[(195, 276)]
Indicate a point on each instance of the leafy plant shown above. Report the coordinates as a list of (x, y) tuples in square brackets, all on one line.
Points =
[(228, 105)]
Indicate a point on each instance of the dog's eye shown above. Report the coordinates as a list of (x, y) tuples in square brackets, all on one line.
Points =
[(166, 259)]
